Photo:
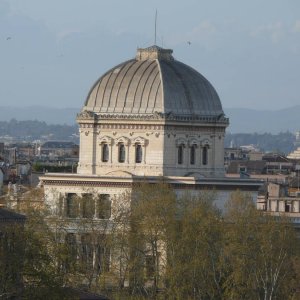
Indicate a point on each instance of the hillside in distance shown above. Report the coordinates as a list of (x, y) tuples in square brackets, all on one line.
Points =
[(45, 114), (242, 120)]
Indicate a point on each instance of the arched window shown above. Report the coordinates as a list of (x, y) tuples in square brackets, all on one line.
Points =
[(193, 154), (105, 152), (205, 155), (180, 154), (138, 153), (121, 153)]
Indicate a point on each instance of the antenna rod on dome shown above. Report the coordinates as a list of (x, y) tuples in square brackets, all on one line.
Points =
[(155, 27)]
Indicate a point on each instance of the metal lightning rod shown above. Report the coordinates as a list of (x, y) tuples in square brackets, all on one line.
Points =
[(155, 27)]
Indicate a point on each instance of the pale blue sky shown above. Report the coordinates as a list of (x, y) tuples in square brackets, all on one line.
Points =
[(53, 51)]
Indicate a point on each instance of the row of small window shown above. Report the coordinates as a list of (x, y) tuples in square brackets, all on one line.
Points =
[(88, 253), (121, 153), (86, 206), (193, 152), (91, 252)]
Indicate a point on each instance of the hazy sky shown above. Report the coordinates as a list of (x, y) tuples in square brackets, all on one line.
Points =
[(53, 51)]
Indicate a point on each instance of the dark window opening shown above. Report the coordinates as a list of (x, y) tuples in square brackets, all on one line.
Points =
[(105, 153), (104, 206), (205, 156), (150, 266), (72, 206), (102, 255), (180, 154), (138, 153), (88, 206), (193, 155), (121, 153), (72, 251), (86, 255)]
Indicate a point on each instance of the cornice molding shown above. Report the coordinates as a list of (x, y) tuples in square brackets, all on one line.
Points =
[(91, 116)]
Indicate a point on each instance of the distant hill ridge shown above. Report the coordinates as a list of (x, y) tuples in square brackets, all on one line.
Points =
[(49, 115), (241, 119)]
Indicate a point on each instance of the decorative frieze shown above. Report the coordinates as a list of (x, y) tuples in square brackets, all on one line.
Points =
[(88, 115)]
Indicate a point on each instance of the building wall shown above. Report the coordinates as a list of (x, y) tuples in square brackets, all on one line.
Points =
[(159, 147)]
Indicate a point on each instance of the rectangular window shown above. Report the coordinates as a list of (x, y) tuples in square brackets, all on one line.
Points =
[(204, 156), (180, 154), (88, 206), (150, 266), (72, 205), (104, 206), (121, 153), (102, 255), (105, 152), (71, 258), (193, 154), (86, 253), (138, 153)]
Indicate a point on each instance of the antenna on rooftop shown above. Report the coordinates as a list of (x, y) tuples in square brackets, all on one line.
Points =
[(155, 27)]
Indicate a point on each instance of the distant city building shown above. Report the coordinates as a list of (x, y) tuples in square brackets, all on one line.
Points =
[(58, 149), (297, 141), (295, 154), (281, 200)]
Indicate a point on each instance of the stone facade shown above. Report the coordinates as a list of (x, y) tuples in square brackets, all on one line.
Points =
[(159, 140)]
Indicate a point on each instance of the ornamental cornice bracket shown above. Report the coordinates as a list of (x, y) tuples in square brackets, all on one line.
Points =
[(86, 115)]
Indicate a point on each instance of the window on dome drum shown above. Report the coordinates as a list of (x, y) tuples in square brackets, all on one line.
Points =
[(205, 155), (180, 154), (105, 152), (87, 206), (72, 206), (104, 206), (193, 155), (121, 157), (138, 153)]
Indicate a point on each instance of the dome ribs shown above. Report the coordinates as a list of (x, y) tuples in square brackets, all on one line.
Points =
[(136, 108), (93, 94), (144, 98), (173, 95), (119, 90), (131, 90), (148, 108), (154, 82), (186, 90), (115, 86)]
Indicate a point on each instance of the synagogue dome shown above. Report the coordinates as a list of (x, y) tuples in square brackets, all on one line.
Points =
[(154, 82)]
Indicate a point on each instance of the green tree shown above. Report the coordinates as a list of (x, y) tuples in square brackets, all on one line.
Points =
[(195, 269), (259, 252)]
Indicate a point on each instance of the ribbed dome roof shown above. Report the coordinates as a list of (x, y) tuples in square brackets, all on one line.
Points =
[(153, 82)]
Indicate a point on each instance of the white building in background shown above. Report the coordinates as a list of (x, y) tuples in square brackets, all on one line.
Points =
[(295, 154), (147, 118)]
